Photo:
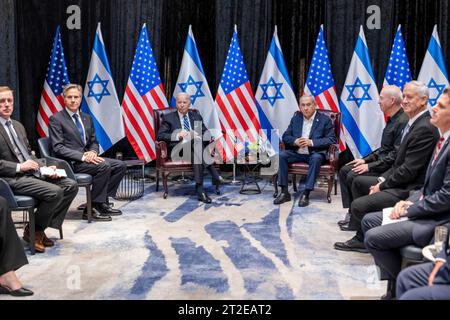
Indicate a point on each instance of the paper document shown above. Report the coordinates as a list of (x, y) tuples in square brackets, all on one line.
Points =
[(47, 171), (387, 217)]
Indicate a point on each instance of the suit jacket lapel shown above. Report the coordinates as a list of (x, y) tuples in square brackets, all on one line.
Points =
[(315, 125), (432, 164), (73, 126), (8, 140)]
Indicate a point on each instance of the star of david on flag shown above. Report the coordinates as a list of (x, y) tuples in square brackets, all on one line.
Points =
[(320, 82), (196, 86), (143, 94), (398, 72), (52, 100), (192, 80), (275, 96), (434, 72), (361, 115), (100, 97)]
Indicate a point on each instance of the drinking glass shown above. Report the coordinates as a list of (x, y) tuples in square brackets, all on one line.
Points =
[(440, 235)]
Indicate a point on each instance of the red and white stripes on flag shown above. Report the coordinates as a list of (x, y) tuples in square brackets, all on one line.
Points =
[(320, 83), (236, 105), (144, 92), (51, 98)]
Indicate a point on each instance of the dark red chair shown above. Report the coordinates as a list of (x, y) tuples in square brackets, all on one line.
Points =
[(164, 165), (328, 169)]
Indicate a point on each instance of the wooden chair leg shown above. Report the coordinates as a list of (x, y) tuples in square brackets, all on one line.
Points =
[(330, 187), (165, 177), (88, 203), (32, 229), (294, 182), (61, 236), (157, 180), (275, 184), (335, 186)]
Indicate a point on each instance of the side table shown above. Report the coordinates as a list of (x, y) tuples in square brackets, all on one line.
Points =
[(132, 185)]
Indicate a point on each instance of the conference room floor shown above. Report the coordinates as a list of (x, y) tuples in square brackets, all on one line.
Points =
[(238, 247)]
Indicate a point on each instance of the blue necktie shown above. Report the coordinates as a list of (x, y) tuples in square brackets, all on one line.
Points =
[(405, 132), (186, 125), (79, 127)]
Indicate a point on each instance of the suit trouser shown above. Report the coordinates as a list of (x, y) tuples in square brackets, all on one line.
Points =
[(412, 284), (384, 242), (346, 178), (54, 197), (365, 203), (12, 254), (288, 156), (106, 177)]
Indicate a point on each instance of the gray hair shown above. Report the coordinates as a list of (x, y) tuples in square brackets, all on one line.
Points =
[(183, 94), (70, 86), (421, 88), (307, 95), (394, 92)]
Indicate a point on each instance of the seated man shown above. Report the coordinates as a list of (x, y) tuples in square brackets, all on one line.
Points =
[(73, 139), (307, 139), (426, 281), (408, 166), (12, 255), (180, 127), (390, 103), (425, 209), (20, 169)]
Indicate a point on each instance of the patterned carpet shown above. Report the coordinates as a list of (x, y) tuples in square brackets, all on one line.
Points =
[(238, 247)]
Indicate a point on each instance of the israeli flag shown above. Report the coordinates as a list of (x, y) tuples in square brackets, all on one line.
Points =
[(361, 115), (100, 97), (275, 96), (434, 73), (192, 80)]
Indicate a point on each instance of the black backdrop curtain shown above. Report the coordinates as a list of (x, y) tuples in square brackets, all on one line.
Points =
[(298, 22)]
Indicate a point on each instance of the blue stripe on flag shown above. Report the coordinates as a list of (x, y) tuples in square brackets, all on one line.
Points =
[(363, 53), (100, 133), (277, 54), (436, 52), (352, 127), (192, 50), (264, 121), (99, 48)]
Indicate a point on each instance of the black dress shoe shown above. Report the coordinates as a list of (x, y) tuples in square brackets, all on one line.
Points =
[(282, 198), (203, 197), (21, 292), (104, 209), (346, 227), (95, 216), (304, 201), (390, 292), (351, 245)]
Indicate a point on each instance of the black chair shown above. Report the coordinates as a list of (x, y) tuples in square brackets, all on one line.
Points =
[(83, 179), (25, 204), (411, 255)]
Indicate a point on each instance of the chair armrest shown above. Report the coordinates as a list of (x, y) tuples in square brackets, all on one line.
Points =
[(61, 164), (6, 192), (161, 153), (333, 156)]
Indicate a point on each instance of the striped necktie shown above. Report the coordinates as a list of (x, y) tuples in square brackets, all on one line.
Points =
[(186, 125)]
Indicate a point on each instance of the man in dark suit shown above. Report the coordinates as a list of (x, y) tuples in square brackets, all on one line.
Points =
[(307, 140), (408, 166), (426, 281), (12, 255), (425, 209), (390, 103), (72, 136), (184, 131), (20, 168)]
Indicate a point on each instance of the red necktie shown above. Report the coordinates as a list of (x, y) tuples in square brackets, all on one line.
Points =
[(438, 148)]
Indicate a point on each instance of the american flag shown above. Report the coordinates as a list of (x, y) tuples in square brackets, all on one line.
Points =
[(52, 100), (236, 105), (398, 72), (320, 83), (144, 92)]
